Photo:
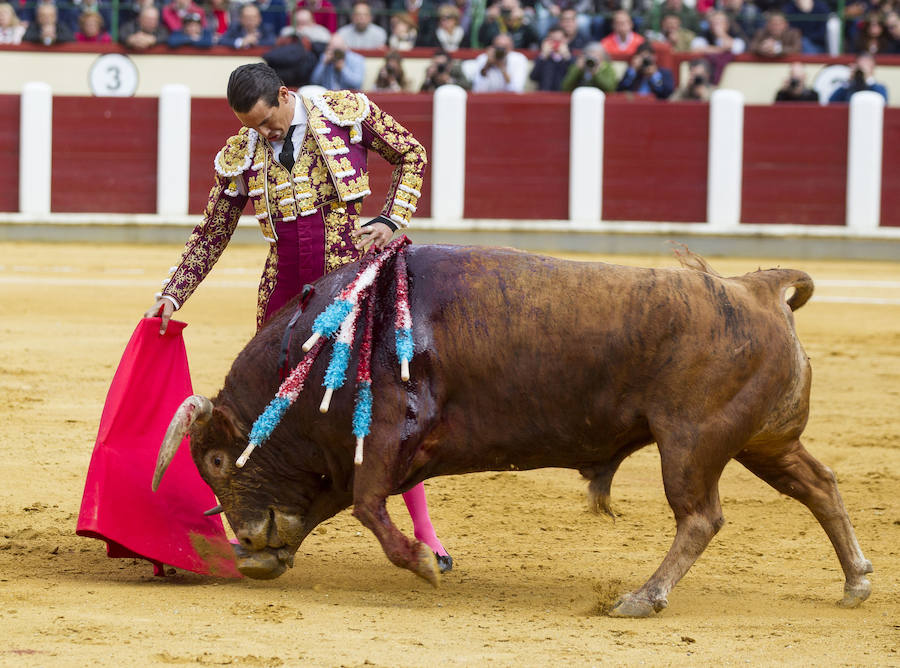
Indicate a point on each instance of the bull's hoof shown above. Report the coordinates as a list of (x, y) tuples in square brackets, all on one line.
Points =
[(633, 606), (855, 593), (260, 565), (426, 565), (445, 562)]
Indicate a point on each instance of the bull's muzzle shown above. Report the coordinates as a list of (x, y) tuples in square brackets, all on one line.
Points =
[(196, 409), (265, 564)]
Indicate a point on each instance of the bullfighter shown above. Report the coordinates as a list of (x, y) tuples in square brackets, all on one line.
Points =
[(302, 162)]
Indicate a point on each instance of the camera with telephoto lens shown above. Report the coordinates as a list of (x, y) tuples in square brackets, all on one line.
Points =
[(441, 68), (795, 82), (646, 62), (698, 80), (590, 63), (500, 53), (337, 54)]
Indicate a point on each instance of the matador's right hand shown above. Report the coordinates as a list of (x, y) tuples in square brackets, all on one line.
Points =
[(163, 308)]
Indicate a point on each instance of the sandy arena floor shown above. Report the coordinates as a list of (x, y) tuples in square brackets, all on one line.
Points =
[(533, 568)]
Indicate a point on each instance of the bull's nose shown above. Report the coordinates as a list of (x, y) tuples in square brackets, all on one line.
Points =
[(253, 536)]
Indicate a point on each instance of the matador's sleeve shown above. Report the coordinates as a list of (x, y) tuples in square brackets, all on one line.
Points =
[(394, 143), (207, 241)]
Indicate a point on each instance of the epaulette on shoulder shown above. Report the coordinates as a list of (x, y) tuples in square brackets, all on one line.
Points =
[(237, 154), (342, 107)]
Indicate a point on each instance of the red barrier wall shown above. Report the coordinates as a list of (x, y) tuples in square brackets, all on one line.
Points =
[(795, 164), (517, 156), (104, 155), (655, 160), (212, 122), (9, 151), (890, 176)]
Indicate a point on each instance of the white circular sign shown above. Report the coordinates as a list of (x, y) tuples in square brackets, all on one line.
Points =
[(113, 75)]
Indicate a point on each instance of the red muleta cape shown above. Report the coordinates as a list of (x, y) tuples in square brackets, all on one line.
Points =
[(118, 506)]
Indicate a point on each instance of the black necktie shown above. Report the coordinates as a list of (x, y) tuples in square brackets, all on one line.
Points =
[(286, 157)]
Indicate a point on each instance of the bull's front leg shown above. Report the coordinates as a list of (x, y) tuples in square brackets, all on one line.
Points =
[(372, 484)]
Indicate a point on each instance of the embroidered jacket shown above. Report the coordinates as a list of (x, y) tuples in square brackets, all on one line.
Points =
[(329, 178)]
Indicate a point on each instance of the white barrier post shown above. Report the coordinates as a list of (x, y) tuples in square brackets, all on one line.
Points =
[(586, 155), (726, 154), (864, 161), (35, 148), (173, 150), (448, 154)]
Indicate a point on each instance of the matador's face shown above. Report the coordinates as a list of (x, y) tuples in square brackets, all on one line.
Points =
[(272, 122)]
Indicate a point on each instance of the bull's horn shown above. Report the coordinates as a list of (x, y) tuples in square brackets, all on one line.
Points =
[(195, 409), (215, 510)]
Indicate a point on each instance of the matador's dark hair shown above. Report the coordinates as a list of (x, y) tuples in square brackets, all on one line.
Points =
[(250, 83)]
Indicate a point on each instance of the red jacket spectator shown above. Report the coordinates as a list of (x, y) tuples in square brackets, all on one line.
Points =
[(173, 13), (323, 12), (622, 41)]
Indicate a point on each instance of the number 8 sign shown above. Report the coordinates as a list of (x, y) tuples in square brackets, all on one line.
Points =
[(113, 75)]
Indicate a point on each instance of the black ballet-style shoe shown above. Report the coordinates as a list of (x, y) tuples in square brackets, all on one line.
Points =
[(445, 562)]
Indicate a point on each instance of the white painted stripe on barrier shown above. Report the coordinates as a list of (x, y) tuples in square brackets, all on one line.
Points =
[(586, 155), (448, 153), (864, 160), (173, 150), (35, 148), (725, 167)]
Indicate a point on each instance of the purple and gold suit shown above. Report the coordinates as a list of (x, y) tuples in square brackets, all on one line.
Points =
[(306, 215)]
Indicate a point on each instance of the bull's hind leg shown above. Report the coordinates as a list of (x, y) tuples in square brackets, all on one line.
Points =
[(793, 471), (690, 476)]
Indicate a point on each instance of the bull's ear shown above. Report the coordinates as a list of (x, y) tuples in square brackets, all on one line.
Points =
[(232, 427)]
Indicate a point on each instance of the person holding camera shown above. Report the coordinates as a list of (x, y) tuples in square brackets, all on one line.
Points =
[(553, 64), (339, 68), (862, 77), (499, 69), (592, 69), (443, 70), (645, 77), (699, 85), (391, 77), (794, 88)]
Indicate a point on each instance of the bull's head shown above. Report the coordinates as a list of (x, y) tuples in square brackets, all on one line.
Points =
[(272, 503)]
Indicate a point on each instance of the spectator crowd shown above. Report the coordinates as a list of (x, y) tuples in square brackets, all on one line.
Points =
[(569, 43)]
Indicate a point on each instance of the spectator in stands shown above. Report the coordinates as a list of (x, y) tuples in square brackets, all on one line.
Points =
[(219, 17), (391, 78), (403, 32), (274, 14), (338, 67), (776, 38), (721, 37), (794, 88), (192, 33), (554, 61), (361, 33), (862, 77), (871, 37), (743, 17), (499, 69), (91, 29), (323, 12), (144, 32), (66, 14), (575, 36), (688, 15), (809, 16), (592, 69), (294, 59), (892, 30), (442, 70), (130, 10), (645, 77), (699, 85), (46, 28), (673, 33), (622, 41), (304, 28), (79, 7), (447, 33), (249, 31), (507, 16), (174, 12), (11, 29)]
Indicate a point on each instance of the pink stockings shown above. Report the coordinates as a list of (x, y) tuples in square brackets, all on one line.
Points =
[(417, 506)]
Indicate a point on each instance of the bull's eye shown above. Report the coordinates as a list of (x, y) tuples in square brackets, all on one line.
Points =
[(217, 461)]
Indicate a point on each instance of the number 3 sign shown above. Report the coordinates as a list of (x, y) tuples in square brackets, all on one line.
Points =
[(113, 75)]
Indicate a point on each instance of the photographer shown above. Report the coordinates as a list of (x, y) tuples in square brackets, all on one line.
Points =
[(593, 69), (795, 88), (338, 68), (645, 77), (698, 87), (391, 78), (553, 64), (443, 70), (862, 77), (499, 69)]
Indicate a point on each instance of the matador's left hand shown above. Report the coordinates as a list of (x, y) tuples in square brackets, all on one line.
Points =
[(377, 233)]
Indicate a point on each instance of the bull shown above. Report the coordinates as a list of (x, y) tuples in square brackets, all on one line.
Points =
[(523, 362)]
